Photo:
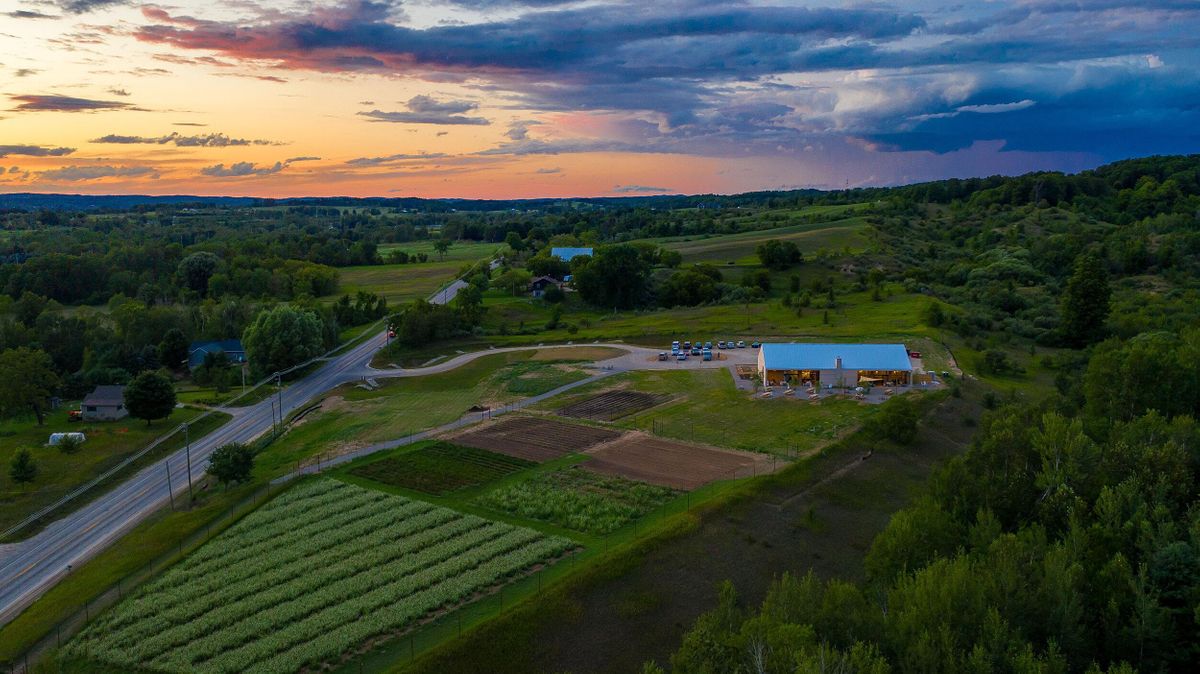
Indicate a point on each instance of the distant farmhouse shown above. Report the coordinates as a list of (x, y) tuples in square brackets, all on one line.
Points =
[(105, 403), (835, 365), (232, 348), (566, 254), (538, 286)]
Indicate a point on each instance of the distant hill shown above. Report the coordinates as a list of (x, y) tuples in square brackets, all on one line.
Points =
[(25, 201)]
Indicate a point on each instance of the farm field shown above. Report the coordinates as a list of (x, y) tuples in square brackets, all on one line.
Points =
[(711, 410), (350, 417), (400, 283), (611, 405), (108, 443), (838, 235), (534, 438), (440, 468), (579, 499), (308, 577), (673, 464)]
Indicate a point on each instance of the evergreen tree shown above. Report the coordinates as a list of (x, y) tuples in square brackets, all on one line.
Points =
[(1086, 302), (23, 470)]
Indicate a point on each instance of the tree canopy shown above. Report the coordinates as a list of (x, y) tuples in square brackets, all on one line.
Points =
[(150, 396), (27, 380), (282, 336)]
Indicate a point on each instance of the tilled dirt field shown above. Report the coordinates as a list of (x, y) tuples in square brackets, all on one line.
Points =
[(611, 405), (673, 464), (534, 438)]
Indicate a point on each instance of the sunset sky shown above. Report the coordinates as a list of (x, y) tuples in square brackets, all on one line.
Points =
[(498, 99)]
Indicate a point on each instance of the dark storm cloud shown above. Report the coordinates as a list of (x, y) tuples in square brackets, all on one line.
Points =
[(1106, 77)]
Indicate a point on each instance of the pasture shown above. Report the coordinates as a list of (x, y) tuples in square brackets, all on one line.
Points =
[(307, 578)]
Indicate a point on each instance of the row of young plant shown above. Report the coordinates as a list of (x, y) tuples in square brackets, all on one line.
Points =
[(377, 565), (579, 499), (185, 603), (260, 615)]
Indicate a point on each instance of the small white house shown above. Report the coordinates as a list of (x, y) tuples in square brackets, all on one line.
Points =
[(106, 403)]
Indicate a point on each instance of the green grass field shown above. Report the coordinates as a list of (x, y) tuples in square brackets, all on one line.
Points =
[(710, 409), (400, 283), (108, 443), (835, 237)]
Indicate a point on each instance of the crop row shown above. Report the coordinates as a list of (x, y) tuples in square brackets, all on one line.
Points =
[(277, 605), (244, 542), (301, 599), (457, 579), (182, 603)]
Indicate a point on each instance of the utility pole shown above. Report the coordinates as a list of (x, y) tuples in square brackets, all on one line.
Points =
[(170, 489), (187, 442), (279, 392)]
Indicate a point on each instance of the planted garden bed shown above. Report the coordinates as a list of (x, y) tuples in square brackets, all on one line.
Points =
[(441, 468)]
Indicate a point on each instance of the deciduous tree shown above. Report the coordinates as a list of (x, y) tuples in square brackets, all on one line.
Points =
[(150, 396)]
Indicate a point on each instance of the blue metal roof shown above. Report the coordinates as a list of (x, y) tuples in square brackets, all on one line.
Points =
[(565, 254), (824, 356)]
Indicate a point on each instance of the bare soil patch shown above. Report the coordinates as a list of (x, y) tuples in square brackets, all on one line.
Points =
[(613, 404), (535, 438), (673, 464)]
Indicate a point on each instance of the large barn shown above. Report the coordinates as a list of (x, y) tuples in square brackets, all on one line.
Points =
[(836, 365)]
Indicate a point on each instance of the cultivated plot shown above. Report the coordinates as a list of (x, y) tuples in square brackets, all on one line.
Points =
[(535, 439), (441, 468), (306, 579), (580, 500), (673, 464), (612, 405)]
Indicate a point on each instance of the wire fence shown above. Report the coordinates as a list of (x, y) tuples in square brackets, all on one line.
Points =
[(68, 627)]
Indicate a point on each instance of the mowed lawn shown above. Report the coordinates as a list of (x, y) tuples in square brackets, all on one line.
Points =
[(351, 417), (108, 443), (710, 409)]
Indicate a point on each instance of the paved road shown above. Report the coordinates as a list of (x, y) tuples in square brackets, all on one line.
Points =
[(30, 567)]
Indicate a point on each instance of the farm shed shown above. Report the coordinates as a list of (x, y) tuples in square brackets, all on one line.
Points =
[(105, 403), (836, 365), (565, 254)]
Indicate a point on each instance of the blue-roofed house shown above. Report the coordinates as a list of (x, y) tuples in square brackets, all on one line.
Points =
[(565, 254), (232, 348), (835, 365)]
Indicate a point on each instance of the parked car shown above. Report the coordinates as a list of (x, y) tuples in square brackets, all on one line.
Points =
[(914, 354), (708, 354), (720, 345), (754, 345), (708, 345), (682, 355), (662, 355), (675, 345), (696, 350), (741, 344), (687, 346)]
